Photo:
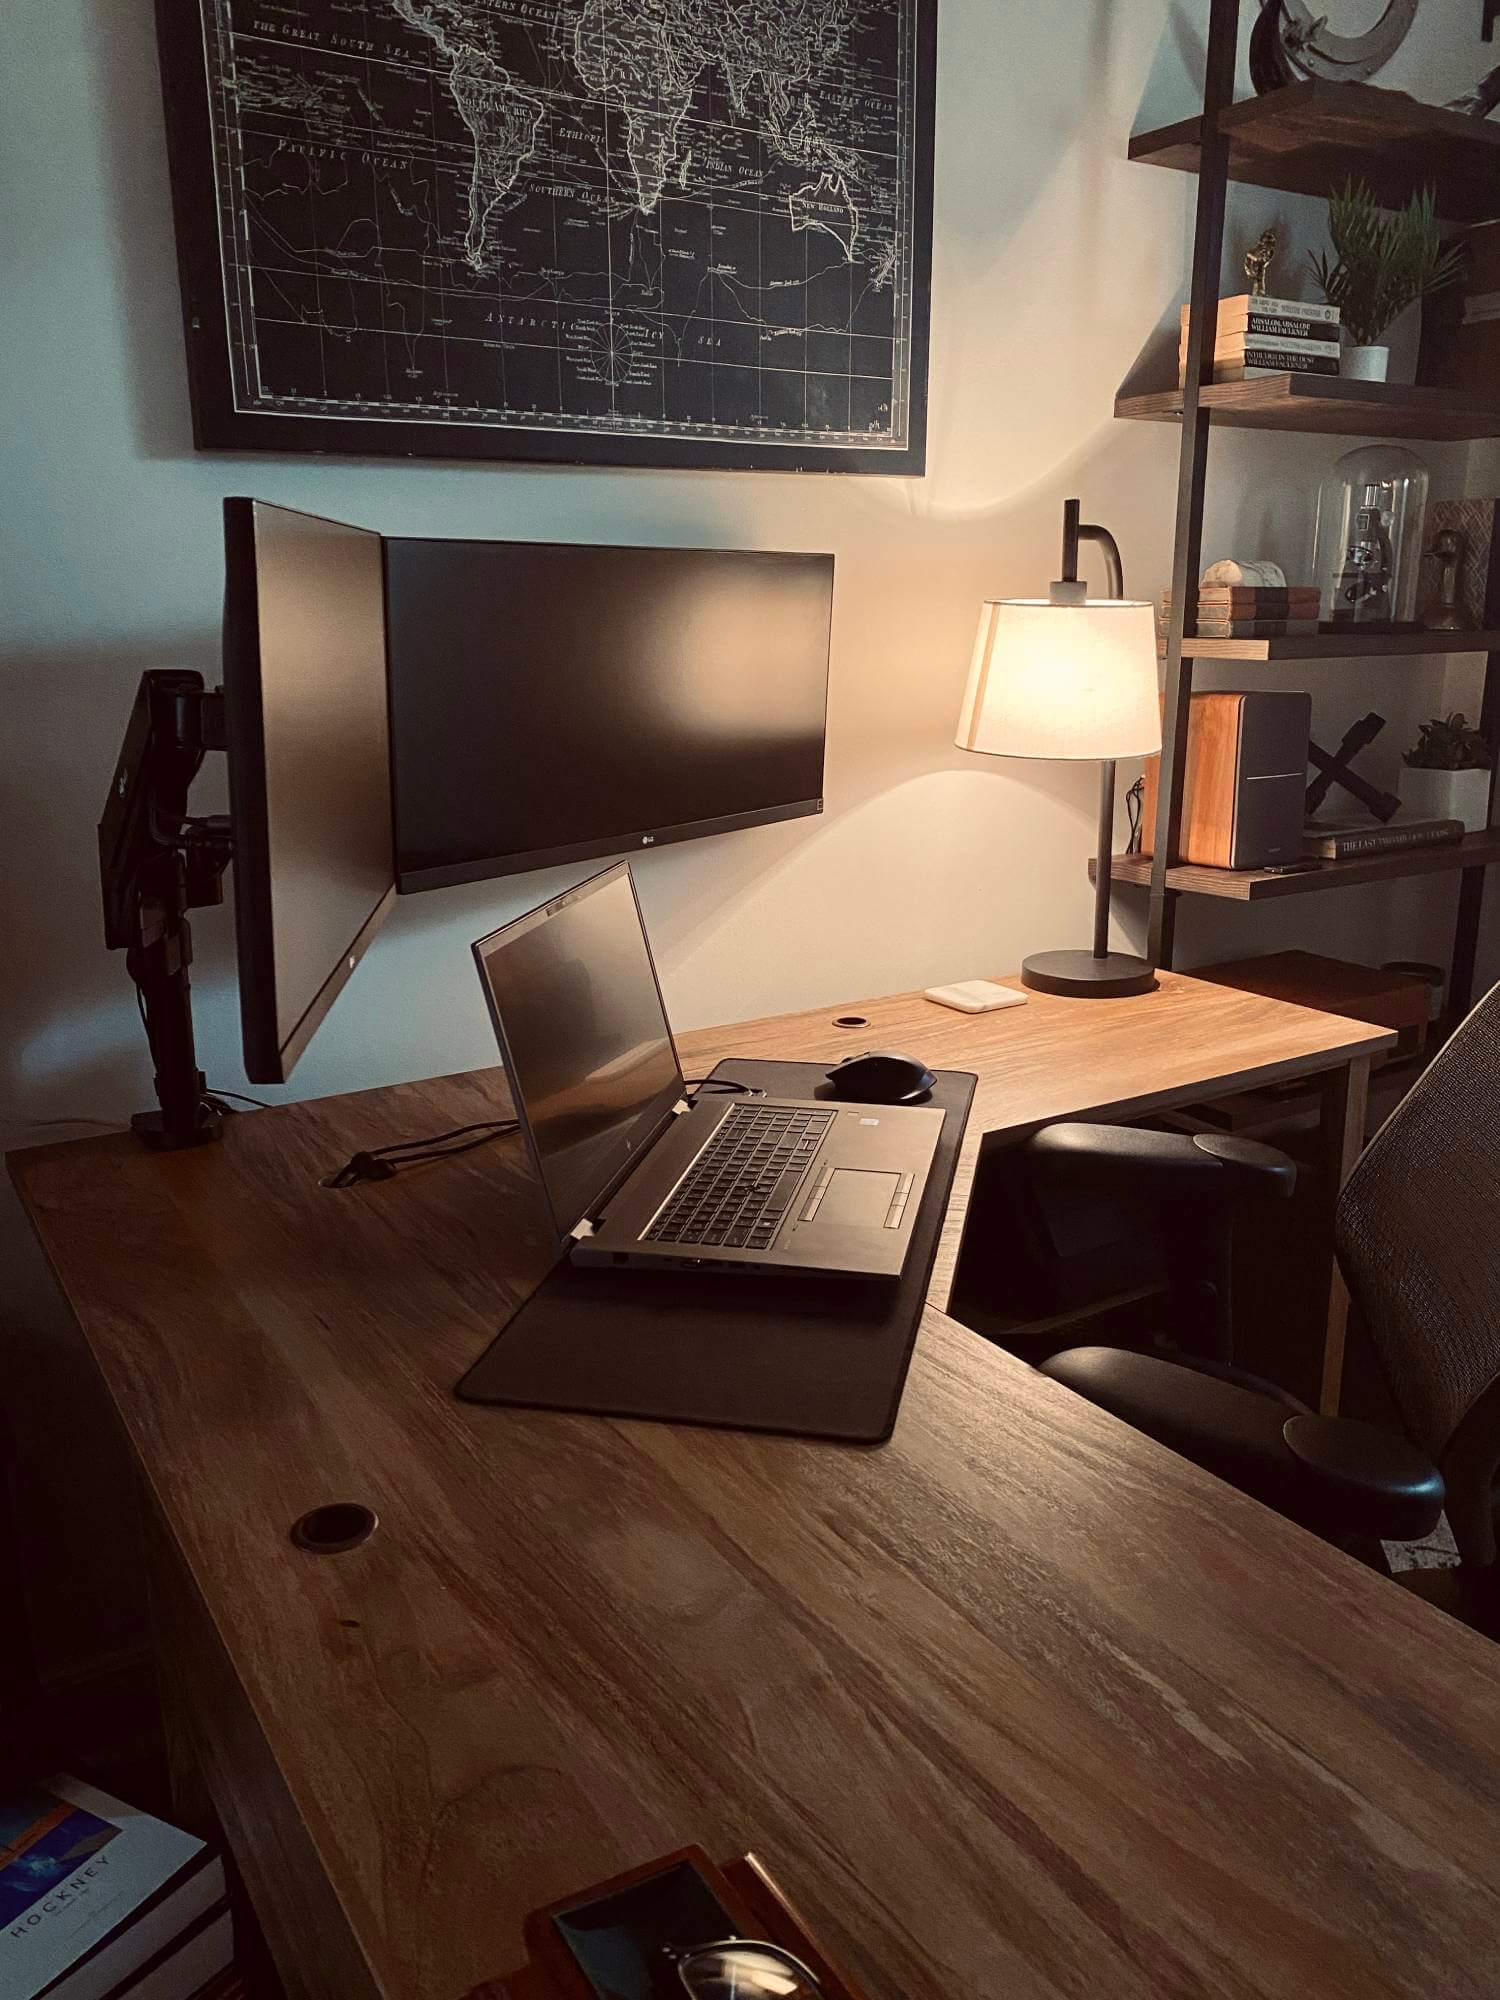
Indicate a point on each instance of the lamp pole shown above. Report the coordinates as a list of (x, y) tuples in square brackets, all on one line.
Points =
[(1069, 590)]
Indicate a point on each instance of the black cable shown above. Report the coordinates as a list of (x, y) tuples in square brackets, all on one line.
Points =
[(383, 1163), (1135, 807), (440, 1152), (259, 1102), (140, 1002), (492, 1127)]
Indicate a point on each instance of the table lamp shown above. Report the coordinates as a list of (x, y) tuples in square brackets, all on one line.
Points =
[(1074, 677)]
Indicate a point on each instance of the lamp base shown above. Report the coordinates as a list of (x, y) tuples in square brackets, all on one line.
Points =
[(1081, 976)]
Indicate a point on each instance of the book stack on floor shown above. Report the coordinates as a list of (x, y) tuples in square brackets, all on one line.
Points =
[(100, 1902), (1262, 336), (1251, 611)]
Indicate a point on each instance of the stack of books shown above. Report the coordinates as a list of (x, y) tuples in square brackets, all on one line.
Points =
[(1262, 336), (100, 1902), (1249, 611)]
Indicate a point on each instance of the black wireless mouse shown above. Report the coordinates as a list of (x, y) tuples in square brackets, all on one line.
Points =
[(881, 1076)]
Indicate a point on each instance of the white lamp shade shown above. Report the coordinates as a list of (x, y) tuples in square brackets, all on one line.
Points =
[(1063, 680)]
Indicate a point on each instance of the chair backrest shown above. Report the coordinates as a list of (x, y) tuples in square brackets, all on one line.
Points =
[(1418, 1236)]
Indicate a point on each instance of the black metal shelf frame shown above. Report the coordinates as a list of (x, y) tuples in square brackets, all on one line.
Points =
[(1192, 480)]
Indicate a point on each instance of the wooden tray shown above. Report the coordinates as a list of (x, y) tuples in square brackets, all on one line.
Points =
[(760, 1910)]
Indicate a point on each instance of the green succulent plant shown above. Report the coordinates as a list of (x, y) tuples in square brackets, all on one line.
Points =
[(1447, 743), (1382, 260)]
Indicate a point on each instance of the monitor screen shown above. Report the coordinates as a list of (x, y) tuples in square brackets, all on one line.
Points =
[(551, 702), (309, 767), (585, 1038)]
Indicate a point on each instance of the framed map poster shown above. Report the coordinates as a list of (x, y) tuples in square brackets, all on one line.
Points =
[(609, 232)]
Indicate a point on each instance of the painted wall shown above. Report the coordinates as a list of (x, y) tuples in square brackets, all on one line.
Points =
[(1058, 273)]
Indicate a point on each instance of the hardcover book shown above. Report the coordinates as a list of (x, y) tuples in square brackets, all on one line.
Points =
[(92, 1890), (1283, 364), (1253, 593), (1255, 628), (1333, 839), (1256, 614), (1298, 324), (1238, 304), (1249, 601), (1233, 346)]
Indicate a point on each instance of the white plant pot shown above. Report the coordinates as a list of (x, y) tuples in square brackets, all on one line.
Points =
[(1366, 364), (1462, 795)]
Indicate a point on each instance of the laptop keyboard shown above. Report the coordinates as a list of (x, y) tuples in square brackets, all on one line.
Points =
[(740, 1186)]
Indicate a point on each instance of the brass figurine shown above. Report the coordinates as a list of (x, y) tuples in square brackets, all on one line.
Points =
[(1258, 262), (1450, 551)]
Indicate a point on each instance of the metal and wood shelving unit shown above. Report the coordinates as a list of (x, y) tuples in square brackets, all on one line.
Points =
[(1305, 139)]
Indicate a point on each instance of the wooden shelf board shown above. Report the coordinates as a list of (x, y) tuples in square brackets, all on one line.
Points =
[(1251, 885), (1326, 404), (1308, 138), (1343, 646)]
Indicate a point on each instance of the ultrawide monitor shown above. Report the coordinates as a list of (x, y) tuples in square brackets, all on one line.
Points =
[(552, 702)]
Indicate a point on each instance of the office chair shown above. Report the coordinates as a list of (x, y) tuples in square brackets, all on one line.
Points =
[(1415, 1232)]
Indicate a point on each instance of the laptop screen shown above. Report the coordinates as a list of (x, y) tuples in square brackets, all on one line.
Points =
[(585, 1038)]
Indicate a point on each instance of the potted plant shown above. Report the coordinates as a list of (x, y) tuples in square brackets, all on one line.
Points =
[(1447, 774), (1382, 262)]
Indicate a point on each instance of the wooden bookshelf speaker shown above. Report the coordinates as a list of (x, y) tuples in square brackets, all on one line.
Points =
[(1244, 783)]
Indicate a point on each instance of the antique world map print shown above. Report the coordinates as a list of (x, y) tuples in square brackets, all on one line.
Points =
[(648, 231)]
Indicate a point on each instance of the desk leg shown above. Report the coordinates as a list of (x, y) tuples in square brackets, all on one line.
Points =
[(1346, 1096)]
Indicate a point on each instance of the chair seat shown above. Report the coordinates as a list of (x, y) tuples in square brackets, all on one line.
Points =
[(1334, 1475)]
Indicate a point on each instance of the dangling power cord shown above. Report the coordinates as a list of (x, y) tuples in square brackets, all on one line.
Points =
[(383, 1163), (1135, 803)]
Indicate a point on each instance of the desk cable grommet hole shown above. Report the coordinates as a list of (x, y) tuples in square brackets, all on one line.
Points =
[(850, 1021), (335, 1529)]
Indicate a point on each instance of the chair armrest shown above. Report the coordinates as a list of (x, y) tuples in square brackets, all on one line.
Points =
[(1336, 1476), (1201, 1168), (1363, 1481), (1227, 1429)]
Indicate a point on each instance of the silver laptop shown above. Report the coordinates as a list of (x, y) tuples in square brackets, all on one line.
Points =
[(638, 1173)]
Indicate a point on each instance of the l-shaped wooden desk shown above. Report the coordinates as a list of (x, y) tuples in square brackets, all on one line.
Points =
[(1017, 1705)]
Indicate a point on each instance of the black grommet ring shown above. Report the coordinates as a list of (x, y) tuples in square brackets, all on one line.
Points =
[(330, 1531), (850, 1021)]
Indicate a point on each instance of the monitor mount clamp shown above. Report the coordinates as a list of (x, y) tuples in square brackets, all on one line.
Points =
[(156, 863)]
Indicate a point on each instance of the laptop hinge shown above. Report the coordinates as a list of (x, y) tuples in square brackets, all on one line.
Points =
[(587, 1227)]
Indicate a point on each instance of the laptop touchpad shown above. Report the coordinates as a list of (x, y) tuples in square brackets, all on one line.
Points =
[(859, 1200)]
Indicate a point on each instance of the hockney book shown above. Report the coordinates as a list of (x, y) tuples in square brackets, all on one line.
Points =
[(91, 1891)]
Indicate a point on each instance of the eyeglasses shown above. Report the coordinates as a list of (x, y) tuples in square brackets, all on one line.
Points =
[(744, 1969)]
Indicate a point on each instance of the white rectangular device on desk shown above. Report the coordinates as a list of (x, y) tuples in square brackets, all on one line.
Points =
[(975, 996)]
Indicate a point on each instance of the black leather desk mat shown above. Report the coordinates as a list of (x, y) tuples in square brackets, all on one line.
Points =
[(820, 1357)]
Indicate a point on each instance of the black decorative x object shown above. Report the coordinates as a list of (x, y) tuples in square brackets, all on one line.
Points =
[(1334, 769)]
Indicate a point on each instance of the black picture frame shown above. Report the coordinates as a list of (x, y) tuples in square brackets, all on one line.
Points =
[(220, 423)]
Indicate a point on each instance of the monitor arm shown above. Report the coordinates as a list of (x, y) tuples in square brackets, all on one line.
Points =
[(155, 864)]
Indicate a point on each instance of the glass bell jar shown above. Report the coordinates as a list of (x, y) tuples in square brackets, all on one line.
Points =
[(1369, 538)]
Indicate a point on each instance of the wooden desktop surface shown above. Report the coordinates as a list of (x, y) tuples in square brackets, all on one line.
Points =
[(1017, 1705), (1057, 1058)]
